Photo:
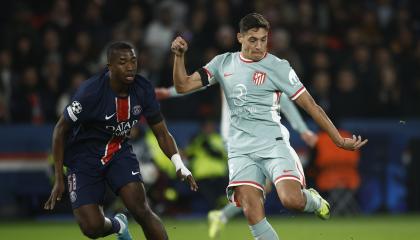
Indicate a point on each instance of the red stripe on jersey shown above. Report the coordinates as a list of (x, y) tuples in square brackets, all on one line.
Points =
[(302, 175), (257, 185), (297, 92), (278, 96), (245, 59), (123, 109), (111, 148), (208, 72), (287, 176)]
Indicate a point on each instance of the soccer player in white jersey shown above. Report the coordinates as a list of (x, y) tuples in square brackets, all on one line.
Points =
[(218, 218), (258, 145)]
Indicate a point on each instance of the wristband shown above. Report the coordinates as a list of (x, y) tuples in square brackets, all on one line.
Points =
[(177, 161)]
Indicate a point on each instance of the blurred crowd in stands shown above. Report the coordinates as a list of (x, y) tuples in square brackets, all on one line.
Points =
[(357, 58)]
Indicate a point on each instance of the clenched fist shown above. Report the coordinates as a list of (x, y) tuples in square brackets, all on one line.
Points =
[(179, 46)]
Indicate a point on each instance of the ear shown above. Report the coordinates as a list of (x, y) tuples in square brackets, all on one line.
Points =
[(240, 37)]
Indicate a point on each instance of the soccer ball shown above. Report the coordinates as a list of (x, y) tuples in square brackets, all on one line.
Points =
[(76, 107)]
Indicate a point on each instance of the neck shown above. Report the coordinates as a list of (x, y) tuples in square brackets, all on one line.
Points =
[(249, 58), (119, 88)]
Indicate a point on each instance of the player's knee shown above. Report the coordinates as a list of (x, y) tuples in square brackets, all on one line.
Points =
[(141, 212), (293, 202), (249, 202)]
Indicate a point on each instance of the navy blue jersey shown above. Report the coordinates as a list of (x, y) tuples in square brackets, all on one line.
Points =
[(101, 121)]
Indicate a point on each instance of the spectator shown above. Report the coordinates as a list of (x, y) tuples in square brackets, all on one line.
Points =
[(158, 34), (24, 53), (315, 36), (6, 81), (53, 82), (347, 100), (25, 104), (387, 102), (321, 90)]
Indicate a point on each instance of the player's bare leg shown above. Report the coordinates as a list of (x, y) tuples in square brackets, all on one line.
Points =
[(218, 218), (134, 198), (293, 197), (93, 223), (252, 203), (251, 200)]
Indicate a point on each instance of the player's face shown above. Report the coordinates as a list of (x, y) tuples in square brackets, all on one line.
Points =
[(254, 43), (123, 65)]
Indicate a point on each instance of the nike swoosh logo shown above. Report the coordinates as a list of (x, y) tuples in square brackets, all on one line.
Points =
[(286, 171), (109, 117), (227, 74), (134, 173)]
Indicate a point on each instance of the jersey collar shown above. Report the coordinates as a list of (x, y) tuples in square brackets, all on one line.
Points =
[(243, 59)]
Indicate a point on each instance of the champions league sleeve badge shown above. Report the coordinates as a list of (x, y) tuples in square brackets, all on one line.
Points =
[(76, 107)]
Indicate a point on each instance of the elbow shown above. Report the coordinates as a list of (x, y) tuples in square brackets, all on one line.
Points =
[(318, 109), (180, 89), (183, 85)]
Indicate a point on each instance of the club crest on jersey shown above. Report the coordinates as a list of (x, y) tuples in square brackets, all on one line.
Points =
[(136, 110), (259, 78), (73, 196)]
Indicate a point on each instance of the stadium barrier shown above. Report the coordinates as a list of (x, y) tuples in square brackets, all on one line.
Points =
[(386, 164)]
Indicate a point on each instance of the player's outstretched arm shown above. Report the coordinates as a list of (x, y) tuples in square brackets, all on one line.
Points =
[(183, 82), (60, 131), (170, 92), (295, 119), (306, 101), (169, 147)]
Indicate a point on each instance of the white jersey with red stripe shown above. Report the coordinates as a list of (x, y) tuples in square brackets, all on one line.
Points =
[(101, 121), (252, 91)]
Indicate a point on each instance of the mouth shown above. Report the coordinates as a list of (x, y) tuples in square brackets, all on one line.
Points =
[(129, 77)]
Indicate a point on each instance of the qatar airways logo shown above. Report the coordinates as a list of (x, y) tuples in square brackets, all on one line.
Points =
[(122, 128)]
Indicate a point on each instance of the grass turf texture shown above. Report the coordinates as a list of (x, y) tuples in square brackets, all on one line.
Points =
[(288, 228)]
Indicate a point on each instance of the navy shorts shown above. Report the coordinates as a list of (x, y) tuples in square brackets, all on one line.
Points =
[(88, 186)]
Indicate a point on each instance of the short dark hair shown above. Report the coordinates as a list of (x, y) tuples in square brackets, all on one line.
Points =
[(116, 46), (253, 20)]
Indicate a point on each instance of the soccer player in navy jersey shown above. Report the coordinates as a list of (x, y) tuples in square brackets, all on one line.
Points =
[(90, 138)]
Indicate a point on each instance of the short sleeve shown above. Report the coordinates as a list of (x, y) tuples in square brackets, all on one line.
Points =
[(81, 107), (151, 105), (212, 69), (287, 80)]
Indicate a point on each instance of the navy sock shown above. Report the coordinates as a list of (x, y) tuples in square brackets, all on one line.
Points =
[(115, 225)]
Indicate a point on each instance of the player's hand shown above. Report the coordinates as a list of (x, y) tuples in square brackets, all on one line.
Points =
[(183, 173), (162, 93), (179, 46), (309, 138), (352, 143), (56, 194)]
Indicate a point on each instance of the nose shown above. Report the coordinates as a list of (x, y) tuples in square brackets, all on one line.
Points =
[(258, 45), (130, 66)]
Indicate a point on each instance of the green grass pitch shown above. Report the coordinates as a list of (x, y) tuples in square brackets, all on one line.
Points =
[(288, 228)]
